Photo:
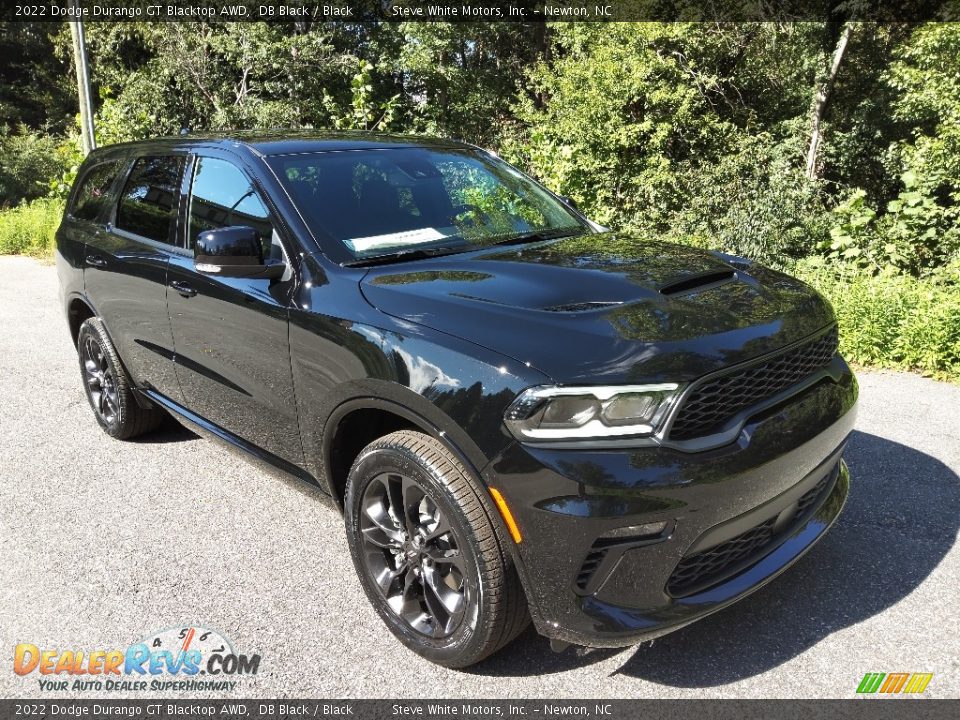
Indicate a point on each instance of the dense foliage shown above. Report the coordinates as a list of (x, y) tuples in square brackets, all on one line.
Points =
[(892, 321), (697, 133), (28, 229)]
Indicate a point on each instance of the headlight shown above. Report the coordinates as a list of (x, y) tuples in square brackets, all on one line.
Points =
[(579, 413)]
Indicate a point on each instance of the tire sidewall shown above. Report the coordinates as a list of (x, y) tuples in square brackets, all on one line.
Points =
[(469, 636), (92, 329)]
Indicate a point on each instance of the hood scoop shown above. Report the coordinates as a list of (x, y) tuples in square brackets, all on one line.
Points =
[(696, 283), (582, 306)]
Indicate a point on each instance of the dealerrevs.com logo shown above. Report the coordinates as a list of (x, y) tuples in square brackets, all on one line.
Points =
[(187, 659)]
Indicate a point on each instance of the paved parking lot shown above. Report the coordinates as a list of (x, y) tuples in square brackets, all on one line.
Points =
[(102, 542)]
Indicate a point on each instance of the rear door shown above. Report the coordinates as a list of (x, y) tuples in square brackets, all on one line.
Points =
[(126, 269), (230, 334), (84, 219)]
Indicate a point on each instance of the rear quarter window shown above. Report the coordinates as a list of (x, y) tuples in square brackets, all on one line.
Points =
[(93, 191), (148, 198)]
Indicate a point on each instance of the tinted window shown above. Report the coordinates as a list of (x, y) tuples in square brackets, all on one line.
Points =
[(223, 196), (92, 195), (379, 201), (148, 198)]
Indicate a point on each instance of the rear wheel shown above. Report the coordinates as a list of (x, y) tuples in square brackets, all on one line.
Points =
[(428, 557), (108, 387)]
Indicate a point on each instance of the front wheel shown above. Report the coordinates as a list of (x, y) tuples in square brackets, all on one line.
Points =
[(427, 554)]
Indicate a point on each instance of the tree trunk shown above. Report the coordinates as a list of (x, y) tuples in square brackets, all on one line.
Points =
[(822, 97), (541, 44)]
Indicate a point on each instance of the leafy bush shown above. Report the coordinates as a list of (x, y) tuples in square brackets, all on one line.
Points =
[(927, 85), (27, 162), (754, 202), (29, 229), (623, 110), (916, 235), (365, 112), (893, 321)]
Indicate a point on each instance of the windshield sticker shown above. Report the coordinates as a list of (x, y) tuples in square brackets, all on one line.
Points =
[(407, 237)]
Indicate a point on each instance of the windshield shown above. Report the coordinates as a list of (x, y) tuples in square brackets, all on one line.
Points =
[(381, 202)]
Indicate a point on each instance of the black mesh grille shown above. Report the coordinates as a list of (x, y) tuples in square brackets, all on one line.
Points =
[(589, 567), (810, 497), (711, 405), (709, 567), (704, 567)]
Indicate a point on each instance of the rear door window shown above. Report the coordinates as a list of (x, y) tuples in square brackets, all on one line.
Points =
[(149, 197), (93, 194)]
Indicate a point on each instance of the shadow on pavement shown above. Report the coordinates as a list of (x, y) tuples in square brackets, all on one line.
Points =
[(901, 519), (170, 431)]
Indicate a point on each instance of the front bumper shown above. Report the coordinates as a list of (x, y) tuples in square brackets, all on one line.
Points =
[(736, 517)]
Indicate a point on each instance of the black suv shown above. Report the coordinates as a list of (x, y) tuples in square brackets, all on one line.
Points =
[(522, 414)]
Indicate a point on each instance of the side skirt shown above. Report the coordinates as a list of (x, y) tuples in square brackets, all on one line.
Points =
[(263, 459)]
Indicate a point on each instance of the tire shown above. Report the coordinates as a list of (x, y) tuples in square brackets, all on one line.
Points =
[(108, 387), (458, 576)]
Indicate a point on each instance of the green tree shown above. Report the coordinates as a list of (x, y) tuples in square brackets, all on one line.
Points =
[(158, 78), (37, 88), (460, 79), (926, 77)]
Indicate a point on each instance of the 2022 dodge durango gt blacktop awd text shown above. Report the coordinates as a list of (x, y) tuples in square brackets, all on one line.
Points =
[(521, 414)]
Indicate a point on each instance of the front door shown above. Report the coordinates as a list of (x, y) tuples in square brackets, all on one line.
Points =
[(230, 334)]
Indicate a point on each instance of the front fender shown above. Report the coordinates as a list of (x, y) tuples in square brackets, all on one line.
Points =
[(445, 385)]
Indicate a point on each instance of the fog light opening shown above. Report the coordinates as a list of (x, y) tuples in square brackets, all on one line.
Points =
[(635, 532)]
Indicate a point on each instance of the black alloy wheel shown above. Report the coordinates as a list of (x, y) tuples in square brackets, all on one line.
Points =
[(430, 559), (413, 555), (108, 386), (101, 383)]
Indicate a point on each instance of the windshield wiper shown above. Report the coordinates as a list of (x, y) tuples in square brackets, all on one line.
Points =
[(405, 255), (538, 236), (431, 252)]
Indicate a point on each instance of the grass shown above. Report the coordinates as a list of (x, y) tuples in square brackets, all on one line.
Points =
[(897, 322), (29, 229)]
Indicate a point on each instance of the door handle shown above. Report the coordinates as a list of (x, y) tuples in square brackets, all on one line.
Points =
[(96, 261), (183, 288)]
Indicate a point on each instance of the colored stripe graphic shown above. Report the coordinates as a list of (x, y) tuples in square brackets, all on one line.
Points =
[(870, 682), (893, 683), (918, 682)]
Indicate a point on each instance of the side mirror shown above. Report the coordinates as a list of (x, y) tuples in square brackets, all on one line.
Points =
[(234, 252), (569, 202)]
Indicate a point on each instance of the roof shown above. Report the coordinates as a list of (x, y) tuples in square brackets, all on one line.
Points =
[(284, 142)]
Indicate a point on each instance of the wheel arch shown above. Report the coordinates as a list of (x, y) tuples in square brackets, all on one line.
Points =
[(355, 423), (449, 435), (79, 310)]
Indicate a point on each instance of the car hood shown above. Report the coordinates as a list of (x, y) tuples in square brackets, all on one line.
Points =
[(604, 307)]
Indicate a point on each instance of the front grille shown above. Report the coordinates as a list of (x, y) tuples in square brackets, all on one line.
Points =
[(811, 496), (711, 405), (709, 567)]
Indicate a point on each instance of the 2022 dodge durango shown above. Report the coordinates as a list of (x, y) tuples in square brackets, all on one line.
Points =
[(521, 414)]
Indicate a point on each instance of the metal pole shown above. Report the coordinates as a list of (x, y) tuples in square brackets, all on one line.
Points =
[(83, 80)]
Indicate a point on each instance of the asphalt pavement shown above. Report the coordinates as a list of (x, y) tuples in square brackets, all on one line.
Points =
[(103, 542)]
